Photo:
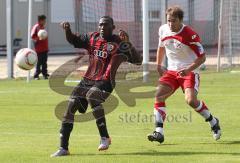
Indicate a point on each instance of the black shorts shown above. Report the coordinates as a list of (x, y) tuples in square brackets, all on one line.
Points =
[(102, 90), (78, 101), (85, 85)]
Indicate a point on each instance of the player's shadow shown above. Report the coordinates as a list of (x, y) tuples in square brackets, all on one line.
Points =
[(158, 153), (176, 153), (223, 143), (232, 142), (155, 153), (165, 144)]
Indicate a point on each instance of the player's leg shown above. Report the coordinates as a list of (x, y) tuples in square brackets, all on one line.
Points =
[(163, 92), (38, 67), (168, 85), (76, 102), (96, 96), (191, 91), (44, 65)]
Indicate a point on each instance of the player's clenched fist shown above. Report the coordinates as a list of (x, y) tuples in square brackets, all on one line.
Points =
[(65, 25), (123, 35)]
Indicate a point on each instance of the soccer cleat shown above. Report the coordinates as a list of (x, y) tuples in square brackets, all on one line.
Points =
[(156, 136), (36, 78), (216, 130), (45, 76), (60, 152), (104, 143)]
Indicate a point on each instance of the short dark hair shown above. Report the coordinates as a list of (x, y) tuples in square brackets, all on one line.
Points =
[(41, 17), (175, 11), (109, 18)]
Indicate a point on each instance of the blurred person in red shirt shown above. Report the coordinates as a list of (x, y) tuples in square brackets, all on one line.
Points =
[(41, 48)]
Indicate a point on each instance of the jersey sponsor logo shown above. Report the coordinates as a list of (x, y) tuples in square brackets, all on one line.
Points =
[(177, 44), (110, 47), (173, 43), (193, 37), (99, 53)]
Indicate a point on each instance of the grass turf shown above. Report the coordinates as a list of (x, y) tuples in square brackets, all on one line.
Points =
[(29, 130)]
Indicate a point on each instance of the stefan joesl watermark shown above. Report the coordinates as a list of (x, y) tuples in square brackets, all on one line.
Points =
[(141, 117)]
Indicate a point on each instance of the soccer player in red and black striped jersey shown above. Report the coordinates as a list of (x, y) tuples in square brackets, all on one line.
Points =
[(106, 52)]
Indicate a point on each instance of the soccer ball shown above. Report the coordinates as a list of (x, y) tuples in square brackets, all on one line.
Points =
[(26, 58), (42, 34)]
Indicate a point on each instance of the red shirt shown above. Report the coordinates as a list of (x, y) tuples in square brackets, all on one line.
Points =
[(39, 45)]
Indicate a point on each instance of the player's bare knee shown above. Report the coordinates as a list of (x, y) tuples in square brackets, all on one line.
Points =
[(160, 98), (191, 102), (163, 92)]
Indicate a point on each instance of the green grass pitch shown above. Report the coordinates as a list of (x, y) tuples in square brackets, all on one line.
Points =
[(29, 130)]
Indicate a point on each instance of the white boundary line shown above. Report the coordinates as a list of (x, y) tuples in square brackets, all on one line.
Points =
[(234, 72), (72, 81)]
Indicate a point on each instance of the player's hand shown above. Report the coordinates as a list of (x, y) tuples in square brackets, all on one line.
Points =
[(39, 38), (183, 72), (65, 25), (161, 70), (123, 35)]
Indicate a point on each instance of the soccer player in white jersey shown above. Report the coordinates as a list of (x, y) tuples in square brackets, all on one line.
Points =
[(184, 56)]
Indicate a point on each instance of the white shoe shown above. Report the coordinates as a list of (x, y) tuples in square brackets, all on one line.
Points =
[(60, 152), (104, 143), (217, 135), (216, 130)]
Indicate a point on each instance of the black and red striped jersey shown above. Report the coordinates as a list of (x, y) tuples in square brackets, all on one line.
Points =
[(105, 56)]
